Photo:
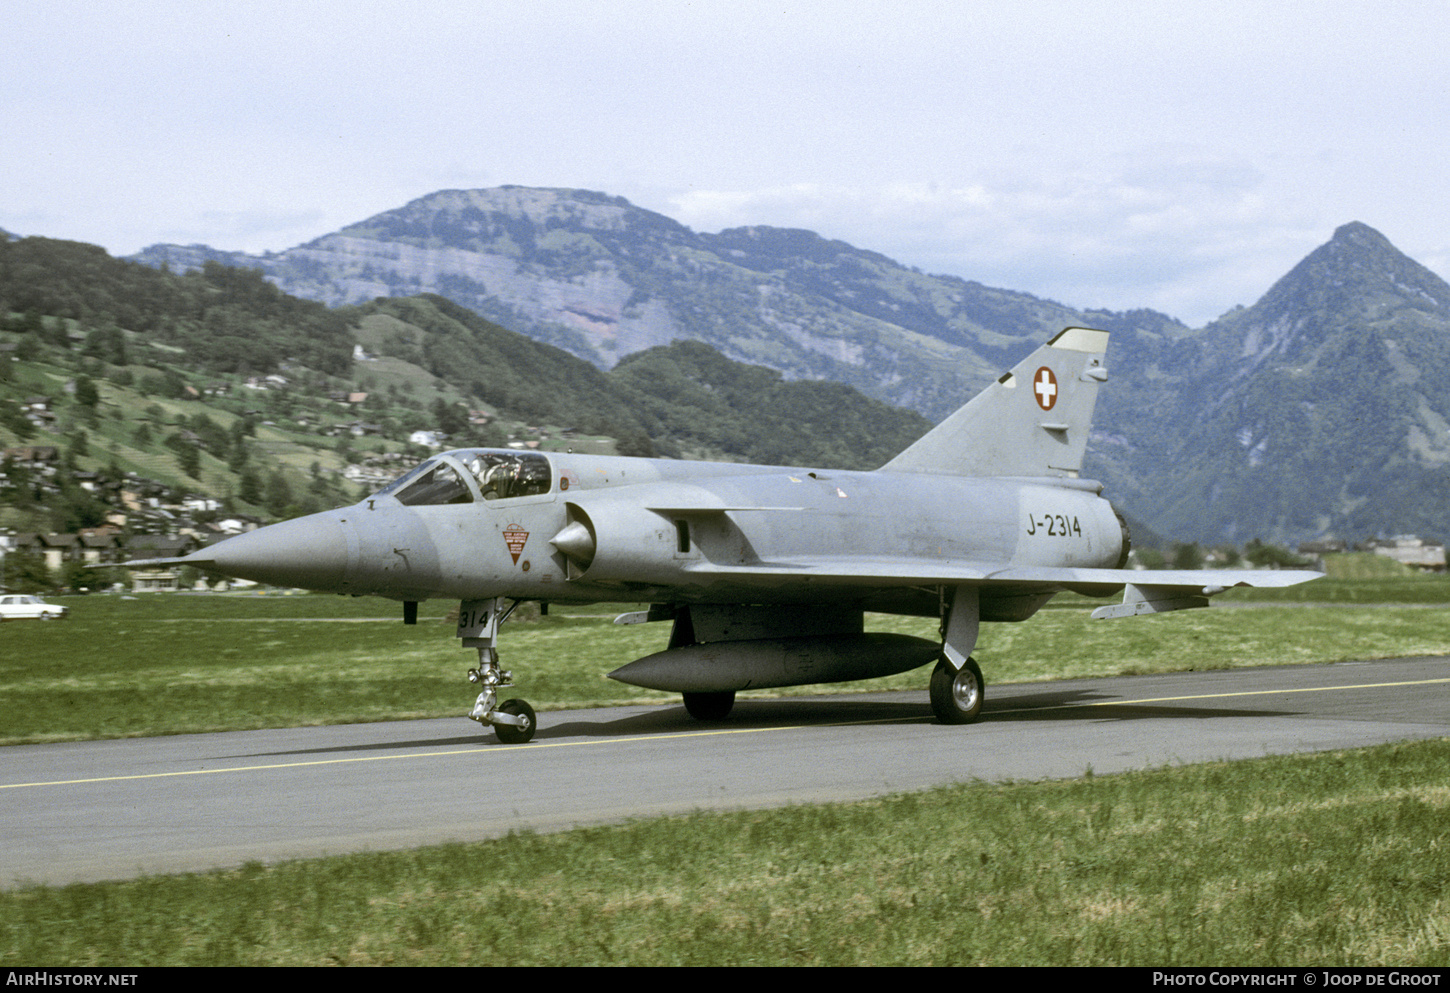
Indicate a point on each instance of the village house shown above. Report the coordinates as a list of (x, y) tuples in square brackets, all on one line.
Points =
[(158, 546), (100, 546), (1412, 550), (54, 549), (33, 456)]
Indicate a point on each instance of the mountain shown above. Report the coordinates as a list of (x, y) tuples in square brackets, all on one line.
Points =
[(1318, 410), (601, 278), (120, 378), (683, 399), (698, 401), (1323, 408)]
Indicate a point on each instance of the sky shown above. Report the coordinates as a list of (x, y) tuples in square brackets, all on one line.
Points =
[(1179, 156)]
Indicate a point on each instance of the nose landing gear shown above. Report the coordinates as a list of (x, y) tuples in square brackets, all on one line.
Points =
[(513, 720)]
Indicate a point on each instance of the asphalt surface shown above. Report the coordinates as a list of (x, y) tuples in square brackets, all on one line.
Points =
[(90, 811)]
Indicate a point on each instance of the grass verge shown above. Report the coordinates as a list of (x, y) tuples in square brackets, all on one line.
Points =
[(177, 664), (1336, 860)]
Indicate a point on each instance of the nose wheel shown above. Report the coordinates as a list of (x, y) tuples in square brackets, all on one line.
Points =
[(513, 721)]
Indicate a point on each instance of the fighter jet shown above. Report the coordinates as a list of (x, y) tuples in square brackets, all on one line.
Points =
[(764, 572)]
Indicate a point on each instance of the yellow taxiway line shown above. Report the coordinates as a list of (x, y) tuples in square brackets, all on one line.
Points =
[(495, 749)]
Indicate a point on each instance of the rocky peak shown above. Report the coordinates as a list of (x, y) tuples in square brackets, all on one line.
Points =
[(480, 218), (1355, 282), (1356, 274)]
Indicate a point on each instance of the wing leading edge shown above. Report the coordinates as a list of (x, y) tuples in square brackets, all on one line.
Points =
[(1144, 591)]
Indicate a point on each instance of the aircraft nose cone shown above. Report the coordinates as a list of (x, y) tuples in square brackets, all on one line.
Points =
[(310, 552)]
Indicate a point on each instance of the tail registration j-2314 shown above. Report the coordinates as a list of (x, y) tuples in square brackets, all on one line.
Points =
[(1054, 525)]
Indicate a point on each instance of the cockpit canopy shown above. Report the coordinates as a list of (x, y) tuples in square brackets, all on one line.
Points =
[(465, 475)]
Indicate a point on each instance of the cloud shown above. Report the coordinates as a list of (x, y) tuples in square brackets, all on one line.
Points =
[(1116, 155), (1177, 229)]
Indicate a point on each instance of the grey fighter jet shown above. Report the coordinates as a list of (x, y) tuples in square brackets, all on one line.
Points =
[(764, 572)]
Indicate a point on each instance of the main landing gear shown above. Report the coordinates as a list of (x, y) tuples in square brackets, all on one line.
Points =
[(957, 694), (957, 688), (513, 720)]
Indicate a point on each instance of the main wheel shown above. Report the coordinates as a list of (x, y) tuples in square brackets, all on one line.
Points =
[(709, 706), (511, 734), (956, 696)]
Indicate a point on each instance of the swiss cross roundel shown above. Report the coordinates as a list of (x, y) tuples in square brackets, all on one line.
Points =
[(1044, 388)]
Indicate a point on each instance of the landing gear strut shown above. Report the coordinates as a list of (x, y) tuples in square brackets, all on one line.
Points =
[(513, 720), (957, 688)]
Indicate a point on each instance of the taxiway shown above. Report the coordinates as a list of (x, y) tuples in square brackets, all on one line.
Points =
[(89, 811)]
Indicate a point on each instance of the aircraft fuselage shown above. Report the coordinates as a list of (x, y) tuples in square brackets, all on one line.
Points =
[(608, 528)]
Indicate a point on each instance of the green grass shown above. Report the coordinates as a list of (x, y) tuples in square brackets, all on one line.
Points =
[(167, 664), (1334, 860), (1339, 860), (176, 664)]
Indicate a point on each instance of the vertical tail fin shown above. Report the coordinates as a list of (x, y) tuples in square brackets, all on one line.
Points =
[(1034, 421)]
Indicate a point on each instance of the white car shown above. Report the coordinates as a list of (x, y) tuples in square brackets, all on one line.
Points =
[(14, 606)]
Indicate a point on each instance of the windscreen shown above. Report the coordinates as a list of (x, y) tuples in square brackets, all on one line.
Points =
[(496, 474), (440, 484)]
